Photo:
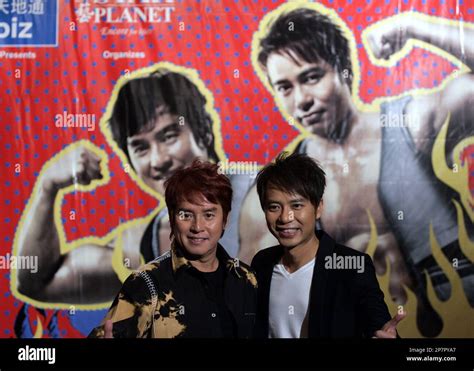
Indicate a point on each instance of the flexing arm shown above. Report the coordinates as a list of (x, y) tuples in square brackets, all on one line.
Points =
[(76, 276), (454, 39), (391, 36), (457, 98)]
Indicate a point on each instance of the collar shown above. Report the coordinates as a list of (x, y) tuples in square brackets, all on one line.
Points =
[(178, 261)]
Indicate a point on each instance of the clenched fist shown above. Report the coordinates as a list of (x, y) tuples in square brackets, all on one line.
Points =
[(72, 166), (390, 36)]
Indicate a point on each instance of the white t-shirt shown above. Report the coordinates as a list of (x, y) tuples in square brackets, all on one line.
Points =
[(289, 299)]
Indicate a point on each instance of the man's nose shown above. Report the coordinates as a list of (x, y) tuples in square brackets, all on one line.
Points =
[(286, 215), (159, 156), (303, 98), (196, 225)]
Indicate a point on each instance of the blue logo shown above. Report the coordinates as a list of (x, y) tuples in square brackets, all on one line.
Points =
[(28, 22)]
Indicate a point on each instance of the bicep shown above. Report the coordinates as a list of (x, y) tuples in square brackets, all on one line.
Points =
[(457, 100), (86, 276), (459, 94), (428, 113)]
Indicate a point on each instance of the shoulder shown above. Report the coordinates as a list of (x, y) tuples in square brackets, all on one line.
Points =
[(265, 257), (349, 251), (157, 264), (346, 250), (157, 268), (143, 282), (241, 265), (243, 271), (347, 262)]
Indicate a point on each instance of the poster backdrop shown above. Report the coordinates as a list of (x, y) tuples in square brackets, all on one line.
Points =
[(101, 100)]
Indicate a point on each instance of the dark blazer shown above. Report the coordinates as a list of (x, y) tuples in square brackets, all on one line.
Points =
[(343, 303)]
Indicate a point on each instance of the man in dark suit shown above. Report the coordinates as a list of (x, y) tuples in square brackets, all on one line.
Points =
[(309, 285)]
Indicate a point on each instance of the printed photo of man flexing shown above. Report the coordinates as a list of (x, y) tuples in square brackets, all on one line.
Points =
[(159, 120), (377, 173)]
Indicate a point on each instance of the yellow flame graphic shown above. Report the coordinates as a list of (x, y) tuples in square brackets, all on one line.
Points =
[(467, 246), (456, 177), (456, 313), (407, 327)]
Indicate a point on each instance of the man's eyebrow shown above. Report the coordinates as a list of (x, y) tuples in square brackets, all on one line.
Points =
[(298, 200), (302, 75), (173, 126), (135, 142), (184, 209), (315, 69), (206, 210), (278, 82)]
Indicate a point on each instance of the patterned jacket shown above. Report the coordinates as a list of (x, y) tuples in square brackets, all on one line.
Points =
[(160, 299)]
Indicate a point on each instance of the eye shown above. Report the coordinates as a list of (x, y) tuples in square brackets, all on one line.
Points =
[(140, 149), (312, 78), (185, 215), (284, 89), (273, 207), (209, 215), (297, 206), (170, 137)]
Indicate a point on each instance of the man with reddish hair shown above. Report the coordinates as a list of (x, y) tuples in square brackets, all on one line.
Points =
[(195, 289)]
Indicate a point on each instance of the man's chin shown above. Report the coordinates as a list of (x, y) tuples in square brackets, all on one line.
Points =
[(288, 246), (195, 252), (318, 130), (287, 243)]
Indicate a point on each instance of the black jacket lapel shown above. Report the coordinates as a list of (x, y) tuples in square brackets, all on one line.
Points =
[(320, 300)]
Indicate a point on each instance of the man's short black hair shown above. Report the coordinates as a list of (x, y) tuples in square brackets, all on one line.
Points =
[(135, 109), (294, 174), (311, 37)]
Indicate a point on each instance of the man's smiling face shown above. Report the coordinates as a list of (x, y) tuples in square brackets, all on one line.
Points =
[(291, 218), (312, 93), (157, 153), (199, 226)]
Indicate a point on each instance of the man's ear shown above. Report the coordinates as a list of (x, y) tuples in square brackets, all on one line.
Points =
[(319, 209), (208, 139)]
